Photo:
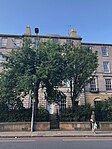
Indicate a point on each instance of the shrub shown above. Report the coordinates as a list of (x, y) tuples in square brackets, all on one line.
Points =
[(103, 110), (21, 115), (81, 113), (42, 115)]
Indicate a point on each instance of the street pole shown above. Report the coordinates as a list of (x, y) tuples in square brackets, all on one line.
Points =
[(36, 31), (33, 100), (32, 118)]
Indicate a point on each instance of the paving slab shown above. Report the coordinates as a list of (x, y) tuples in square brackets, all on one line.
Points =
[(55, 134)]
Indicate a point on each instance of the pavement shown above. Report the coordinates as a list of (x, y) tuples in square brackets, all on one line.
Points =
[(55, 133)]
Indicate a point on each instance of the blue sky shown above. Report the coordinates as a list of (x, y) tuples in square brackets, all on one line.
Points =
[(91, 18)]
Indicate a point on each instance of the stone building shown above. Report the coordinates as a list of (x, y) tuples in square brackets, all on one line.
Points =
[(100, 86), (101, 82)]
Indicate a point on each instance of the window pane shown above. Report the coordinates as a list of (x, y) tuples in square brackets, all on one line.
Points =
[(63, 104), (104, 52), (93, 84), (2, 58), (67, 41), (106, 67), (108, 84), (4, 42), (90, 49), (68, 83), (55, 40), (16, 43)]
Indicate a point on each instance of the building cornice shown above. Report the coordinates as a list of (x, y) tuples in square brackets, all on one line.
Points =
[(96, 44), (41, 36)]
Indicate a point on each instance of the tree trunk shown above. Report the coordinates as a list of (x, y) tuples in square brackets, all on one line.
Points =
[(71, 89), (73, 105), (72, 96), (36, 100), (74, 102)]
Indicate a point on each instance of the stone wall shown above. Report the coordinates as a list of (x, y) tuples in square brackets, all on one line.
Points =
[(75, 126), (44, 126), (106, 126), (24, 126), (15, 126)]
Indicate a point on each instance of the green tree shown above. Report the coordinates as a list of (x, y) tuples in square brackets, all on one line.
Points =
[(51, 69), (103, 110), (27, 68), (8, 95), (80, 65)]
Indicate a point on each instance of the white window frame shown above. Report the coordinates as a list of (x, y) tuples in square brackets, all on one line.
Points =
[(108, 84), (68, 83), (104, 51), (63, 104), (17, 42), (2, 58), (93, 84), (106, 67), (4, 42), (90, 49)]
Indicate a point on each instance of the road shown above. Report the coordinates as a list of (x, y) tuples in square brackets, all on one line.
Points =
[(56, 143)]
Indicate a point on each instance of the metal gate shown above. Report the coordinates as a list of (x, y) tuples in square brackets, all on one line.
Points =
[(54, 121)]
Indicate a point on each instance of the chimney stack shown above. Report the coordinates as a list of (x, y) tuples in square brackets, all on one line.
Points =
[(28, 30), (73, 33)]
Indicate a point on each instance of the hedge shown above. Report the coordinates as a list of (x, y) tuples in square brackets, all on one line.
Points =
[(21, 115)]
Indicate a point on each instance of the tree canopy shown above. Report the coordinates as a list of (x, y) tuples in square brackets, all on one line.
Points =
[(80, 65), (27, 68)]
